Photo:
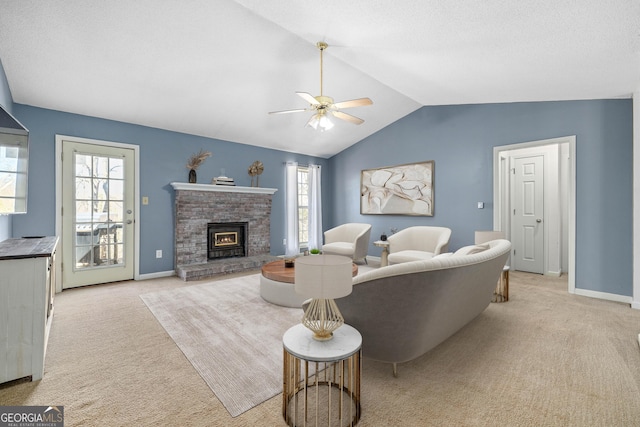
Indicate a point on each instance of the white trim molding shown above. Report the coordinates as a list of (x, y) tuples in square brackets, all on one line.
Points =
[(222, 188), (157, 275), (636, 200), (603, 295)]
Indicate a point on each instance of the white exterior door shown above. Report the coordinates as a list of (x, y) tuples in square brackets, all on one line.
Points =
[(527, 233), (97, 214)]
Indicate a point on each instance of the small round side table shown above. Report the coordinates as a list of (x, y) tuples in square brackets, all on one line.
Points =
[(384, 256), (321, 379)]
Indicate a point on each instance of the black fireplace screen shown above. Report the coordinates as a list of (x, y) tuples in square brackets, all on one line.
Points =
[(226, 239)]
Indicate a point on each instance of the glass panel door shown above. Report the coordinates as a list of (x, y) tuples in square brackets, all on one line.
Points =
[(97, 214)]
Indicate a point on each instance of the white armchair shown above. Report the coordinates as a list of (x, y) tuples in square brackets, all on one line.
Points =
[(417, 243), (351, 239)]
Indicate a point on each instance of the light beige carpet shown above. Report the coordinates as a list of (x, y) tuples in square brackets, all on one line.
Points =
[(545, 358), (231, 336)]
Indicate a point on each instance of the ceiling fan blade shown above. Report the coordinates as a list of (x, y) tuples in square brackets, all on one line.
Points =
[(287, 111), (347, 117), (324, 105), (361, 102), (308, 97), (310, 122)]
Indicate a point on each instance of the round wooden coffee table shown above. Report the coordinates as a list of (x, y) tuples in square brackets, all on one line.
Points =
[(277, 284)]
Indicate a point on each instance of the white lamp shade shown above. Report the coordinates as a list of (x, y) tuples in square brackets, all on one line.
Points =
[(323, 276), (320, 121)]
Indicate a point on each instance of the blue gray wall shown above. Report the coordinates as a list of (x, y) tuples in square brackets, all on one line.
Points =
[(163, 156), (461, 139), (7, 102)]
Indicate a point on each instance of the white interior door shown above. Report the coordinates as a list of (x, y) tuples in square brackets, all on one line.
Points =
[(98, 184), (527, 233)]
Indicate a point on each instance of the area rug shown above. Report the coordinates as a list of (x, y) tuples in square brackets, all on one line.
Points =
[(231, 336)]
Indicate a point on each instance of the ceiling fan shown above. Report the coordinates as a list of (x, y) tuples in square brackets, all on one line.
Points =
[(324, 105)]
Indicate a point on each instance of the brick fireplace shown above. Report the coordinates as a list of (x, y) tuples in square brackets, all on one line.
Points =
[(199, 205)]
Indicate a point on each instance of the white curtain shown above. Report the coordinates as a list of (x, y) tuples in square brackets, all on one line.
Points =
[(291, 209), (315, 207)]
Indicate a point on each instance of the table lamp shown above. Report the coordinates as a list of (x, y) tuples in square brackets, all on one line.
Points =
[(323, 278)]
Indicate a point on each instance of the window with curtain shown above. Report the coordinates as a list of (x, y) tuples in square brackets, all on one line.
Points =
[(303, 207)]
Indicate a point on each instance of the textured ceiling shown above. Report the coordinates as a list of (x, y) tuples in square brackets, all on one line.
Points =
[(215, 68)]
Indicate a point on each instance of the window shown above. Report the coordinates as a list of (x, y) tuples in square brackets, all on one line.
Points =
[(14, 153), (303, 206), (303, 220), (99, 212), (13, 173)]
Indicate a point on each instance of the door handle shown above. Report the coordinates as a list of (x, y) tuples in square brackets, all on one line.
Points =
[(538, 220)]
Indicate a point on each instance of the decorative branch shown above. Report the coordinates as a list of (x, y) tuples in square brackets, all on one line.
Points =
[(197, 159)]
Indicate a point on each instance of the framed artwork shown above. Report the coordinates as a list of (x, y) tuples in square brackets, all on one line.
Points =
[(398, 190)]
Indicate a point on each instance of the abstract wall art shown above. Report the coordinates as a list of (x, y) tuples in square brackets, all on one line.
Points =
[(398, 190)]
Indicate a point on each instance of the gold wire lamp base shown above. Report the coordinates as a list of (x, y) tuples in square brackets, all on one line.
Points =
[(322, 317)]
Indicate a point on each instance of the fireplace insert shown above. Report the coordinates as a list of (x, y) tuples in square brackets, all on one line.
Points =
[(226, 239)]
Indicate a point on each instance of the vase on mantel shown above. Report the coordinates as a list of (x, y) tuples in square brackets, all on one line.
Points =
[(192, 176)]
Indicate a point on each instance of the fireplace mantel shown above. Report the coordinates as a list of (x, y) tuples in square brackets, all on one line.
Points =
[(222, 188)]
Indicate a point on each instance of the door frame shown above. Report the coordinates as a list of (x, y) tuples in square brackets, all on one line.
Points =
[(136, 196), (501, 196)]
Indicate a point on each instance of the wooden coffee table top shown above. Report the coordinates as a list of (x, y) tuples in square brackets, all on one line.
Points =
[(277, 271)]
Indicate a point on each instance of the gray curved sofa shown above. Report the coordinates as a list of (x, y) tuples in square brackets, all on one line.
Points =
[(405, 310)]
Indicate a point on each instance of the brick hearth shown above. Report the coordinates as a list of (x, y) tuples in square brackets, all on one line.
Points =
[(196, 205)]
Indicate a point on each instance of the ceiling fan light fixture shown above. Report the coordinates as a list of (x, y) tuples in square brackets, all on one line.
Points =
[(325, 106), (320, 121)]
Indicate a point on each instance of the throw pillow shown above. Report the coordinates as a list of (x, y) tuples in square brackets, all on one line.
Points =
[(444, 255), (472, 249)]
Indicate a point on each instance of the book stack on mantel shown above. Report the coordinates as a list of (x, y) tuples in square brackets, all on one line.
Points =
[(223, 180)]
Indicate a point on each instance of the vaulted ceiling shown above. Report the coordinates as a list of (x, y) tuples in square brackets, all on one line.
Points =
[(215, 68)]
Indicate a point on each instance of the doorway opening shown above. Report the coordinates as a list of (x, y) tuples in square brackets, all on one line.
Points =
[(96, 211), (558, 217)]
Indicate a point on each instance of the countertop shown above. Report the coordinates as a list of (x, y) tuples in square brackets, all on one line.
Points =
[(30, 247)]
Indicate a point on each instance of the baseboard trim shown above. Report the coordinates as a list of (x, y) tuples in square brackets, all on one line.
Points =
[(157, 275), (604, 295)]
